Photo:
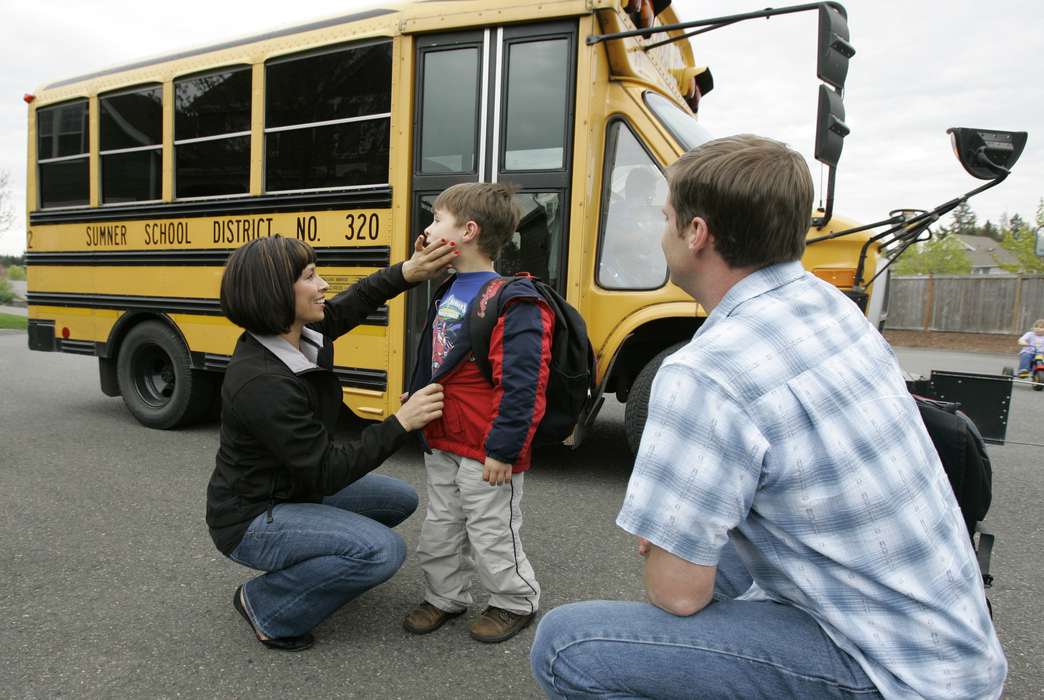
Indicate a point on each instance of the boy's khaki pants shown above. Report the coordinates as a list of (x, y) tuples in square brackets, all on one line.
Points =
[(467, 520)]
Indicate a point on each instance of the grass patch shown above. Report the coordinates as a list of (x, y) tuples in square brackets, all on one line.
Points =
[(12, 321)]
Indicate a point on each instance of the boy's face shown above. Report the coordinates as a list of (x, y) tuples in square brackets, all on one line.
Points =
[(446, 226)]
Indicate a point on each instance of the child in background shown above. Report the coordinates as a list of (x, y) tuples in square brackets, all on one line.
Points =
[(481, 444), (1032, 342)]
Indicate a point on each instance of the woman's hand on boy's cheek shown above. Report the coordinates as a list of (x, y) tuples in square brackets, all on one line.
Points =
[(495, 472), (429, 259)]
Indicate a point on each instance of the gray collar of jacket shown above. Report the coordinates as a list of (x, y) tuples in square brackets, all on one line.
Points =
[(297, 361)]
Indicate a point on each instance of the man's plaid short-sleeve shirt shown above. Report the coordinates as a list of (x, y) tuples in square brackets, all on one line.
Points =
[(786, 424)]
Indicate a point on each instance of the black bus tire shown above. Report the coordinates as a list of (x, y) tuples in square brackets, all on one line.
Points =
[(156, 379), (636, 411)]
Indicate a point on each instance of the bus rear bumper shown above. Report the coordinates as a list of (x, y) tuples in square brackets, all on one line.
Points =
[(41, 335)]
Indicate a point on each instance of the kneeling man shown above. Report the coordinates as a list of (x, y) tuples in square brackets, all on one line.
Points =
[(799, 533)]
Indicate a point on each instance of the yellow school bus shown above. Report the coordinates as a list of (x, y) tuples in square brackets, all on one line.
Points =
[(143, 178)]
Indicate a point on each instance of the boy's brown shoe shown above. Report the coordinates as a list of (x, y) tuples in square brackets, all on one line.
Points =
[(427, 618), (498, 625)]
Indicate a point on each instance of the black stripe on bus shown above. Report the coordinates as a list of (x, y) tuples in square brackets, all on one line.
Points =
[(375, 379), (357, 256), (76, 347), (372, 198), (357, 17), (348, 376), (162, 305)]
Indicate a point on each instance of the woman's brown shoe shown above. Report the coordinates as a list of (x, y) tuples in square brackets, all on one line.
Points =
[(427, 618), (498, 625)]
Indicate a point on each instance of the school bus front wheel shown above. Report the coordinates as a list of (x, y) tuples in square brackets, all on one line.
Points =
[(636, 411)]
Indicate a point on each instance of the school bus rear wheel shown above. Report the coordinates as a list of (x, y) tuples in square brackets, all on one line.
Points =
[(156, 379)]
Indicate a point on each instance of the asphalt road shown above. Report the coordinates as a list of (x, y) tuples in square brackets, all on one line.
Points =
[(110, 586)]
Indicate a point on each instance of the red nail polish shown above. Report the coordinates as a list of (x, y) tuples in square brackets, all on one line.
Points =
[(452, 243)]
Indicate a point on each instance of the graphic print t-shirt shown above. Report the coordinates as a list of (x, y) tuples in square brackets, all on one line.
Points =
[(449, 318)]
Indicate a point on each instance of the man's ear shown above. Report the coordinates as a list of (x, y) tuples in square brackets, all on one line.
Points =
[(471, 231), (698, 236)]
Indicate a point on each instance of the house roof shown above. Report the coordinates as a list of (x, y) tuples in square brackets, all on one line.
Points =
[(985, 252)]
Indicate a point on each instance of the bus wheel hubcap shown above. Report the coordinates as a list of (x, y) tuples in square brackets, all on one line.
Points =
[(154, 376)]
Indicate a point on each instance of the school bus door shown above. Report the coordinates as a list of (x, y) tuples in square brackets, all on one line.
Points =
[(497, 105)]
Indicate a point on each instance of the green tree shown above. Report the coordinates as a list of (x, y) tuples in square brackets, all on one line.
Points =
[(988, 229), (16, 273), (943, 255), (6, 293), (1024, 249), (6, 260), (964, 220), (1021, 241), (1016, 225)]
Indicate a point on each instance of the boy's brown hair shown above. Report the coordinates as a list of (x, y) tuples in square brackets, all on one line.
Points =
[(488, 204), (754, 193)]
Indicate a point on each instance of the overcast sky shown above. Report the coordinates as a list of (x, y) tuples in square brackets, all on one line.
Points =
[(920, 68)]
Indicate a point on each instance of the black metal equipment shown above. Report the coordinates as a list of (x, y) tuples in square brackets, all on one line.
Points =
[(984, 398)]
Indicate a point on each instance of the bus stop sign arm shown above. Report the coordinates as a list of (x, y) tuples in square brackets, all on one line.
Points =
[(834, 52), (722, 21), (834, 49)]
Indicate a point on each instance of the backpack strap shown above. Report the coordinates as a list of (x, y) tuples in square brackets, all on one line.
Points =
[(483, 313)]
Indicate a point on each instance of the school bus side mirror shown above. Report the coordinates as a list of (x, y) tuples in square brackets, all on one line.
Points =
[(1040, 243), (834, 49), (831, 129), (987, 154)]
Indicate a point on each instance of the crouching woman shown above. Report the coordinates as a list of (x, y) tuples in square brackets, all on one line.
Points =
[(285, 497)]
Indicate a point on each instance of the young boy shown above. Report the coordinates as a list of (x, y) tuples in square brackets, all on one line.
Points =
[(1030, 343), (480, 447)]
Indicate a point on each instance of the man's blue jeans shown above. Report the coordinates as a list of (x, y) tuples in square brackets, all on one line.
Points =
[(321, 555), (730, 649)]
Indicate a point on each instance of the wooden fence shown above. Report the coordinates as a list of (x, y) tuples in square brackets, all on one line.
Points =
[(967, 303)]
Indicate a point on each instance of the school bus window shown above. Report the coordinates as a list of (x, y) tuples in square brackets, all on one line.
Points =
[(683, 126), (61, 155), (448, 127), (537, 90), (536, 247), (632, 202), (131, 140), (327, 119), (212, 134)]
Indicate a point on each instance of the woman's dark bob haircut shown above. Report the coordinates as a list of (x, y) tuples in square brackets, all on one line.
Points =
[(257, 288)]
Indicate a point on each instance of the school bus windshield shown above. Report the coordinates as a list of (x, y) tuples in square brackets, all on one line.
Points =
[(683, 126)]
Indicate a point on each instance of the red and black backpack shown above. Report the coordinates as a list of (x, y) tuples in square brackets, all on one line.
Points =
[(570, 384)]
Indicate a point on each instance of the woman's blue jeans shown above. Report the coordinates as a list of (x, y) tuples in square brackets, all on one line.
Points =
[(319, 556), (730, 649)]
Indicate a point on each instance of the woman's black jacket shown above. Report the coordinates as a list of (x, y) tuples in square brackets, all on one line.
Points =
[(277, 425)]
